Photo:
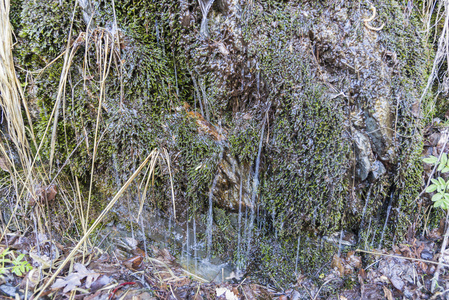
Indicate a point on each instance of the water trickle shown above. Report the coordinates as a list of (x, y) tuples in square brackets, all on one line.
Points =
[(297, 255), (362, 222), (386, 221), (166, 239), (398, 209), (239, 238), (258, 80), (210, 218), (157, 34), (374, 236), (339, 242), (254, 193), (197, 94), (187, 239), (118, 182), (195, 246), (368, 231), (203, 90), (205, 6)]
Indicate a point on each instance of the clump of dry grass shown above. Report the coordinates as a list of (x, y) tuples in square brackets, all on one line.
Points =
[(436, 19), (29, 180), (14, 146)]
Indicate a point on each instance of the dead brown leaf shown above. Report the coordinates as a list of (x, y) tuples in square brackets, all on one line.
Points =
[(388, 293), (73, 280)]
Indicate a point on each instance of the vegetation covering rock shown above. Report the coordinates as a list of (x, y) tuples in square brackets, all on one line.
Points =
[(295, 120)]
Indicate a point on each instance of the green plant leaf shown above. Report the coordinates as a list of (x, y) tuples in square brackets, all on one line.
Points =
[(18, 259), (5, 252), (431, 188), (438, 203), (430, 160), (445, 205), (445, 170), (16, 270), (441, 186), (437, 197), (443, 159)]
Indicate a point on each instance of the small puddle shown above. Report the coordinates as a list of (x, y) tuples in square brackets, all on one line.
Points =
[(208, 271)]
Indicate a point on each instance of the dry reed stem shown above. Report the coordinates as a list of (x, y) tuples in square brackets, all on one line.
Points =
[(11, 101), (152, 156), (401, 257)]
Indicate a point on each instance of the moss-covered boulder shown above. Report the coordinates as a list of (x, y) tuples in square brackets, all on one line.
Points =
[(296, 120)]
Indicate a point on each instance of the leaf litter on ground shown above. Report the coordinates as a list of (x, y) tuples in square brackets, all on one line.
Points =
[(73, 280)]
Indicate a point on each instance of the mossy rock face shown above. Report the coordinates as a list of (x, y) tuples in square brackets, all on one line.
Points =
[(314, 104), (315, 77)]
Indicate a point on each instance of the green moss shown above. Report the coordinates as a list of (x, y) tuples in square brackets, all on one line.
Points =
[(307, 152), (138, 112), (224, 236), (415, 56), (274, 81)]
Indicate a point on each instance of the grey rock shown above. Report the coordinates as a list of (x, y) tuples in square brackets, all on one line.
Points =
[(8, 290), (426, 254), (295, 295), (397, 282), (364, 155), (378, 169)]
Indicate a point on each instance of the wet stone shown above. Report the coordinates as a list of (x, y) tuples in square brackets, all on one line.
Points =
[(364, 155), (397, 282), (377, 169), (426, 254), (8, 290)]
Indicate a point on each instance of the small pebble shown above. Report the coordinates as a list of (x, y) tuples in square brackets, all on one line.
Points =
[(8, 290), (426, 254)]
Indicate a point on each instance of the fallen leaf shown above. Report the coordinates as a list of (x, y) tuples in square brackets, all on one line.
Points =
[(337, 264), (133, 263), (362, 273), (100, 282), (73, 280), (229, 295), (388, 293), (31, 279), (51, 192), (384, 279)]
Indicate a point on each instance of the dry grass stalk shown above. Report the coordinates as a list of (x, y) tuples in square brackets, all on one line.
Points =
[(442, 33), (14, 146), (10, 90), (151, 157)]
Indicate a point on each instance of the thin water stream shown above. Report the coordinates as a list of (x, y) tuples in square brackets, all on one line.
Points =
[(210, 217), (254, 193)]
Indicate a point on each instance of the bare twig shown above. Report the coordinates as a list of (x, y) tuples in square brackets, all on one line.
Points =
[(402, 257), (151, 156), (366, 21)]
